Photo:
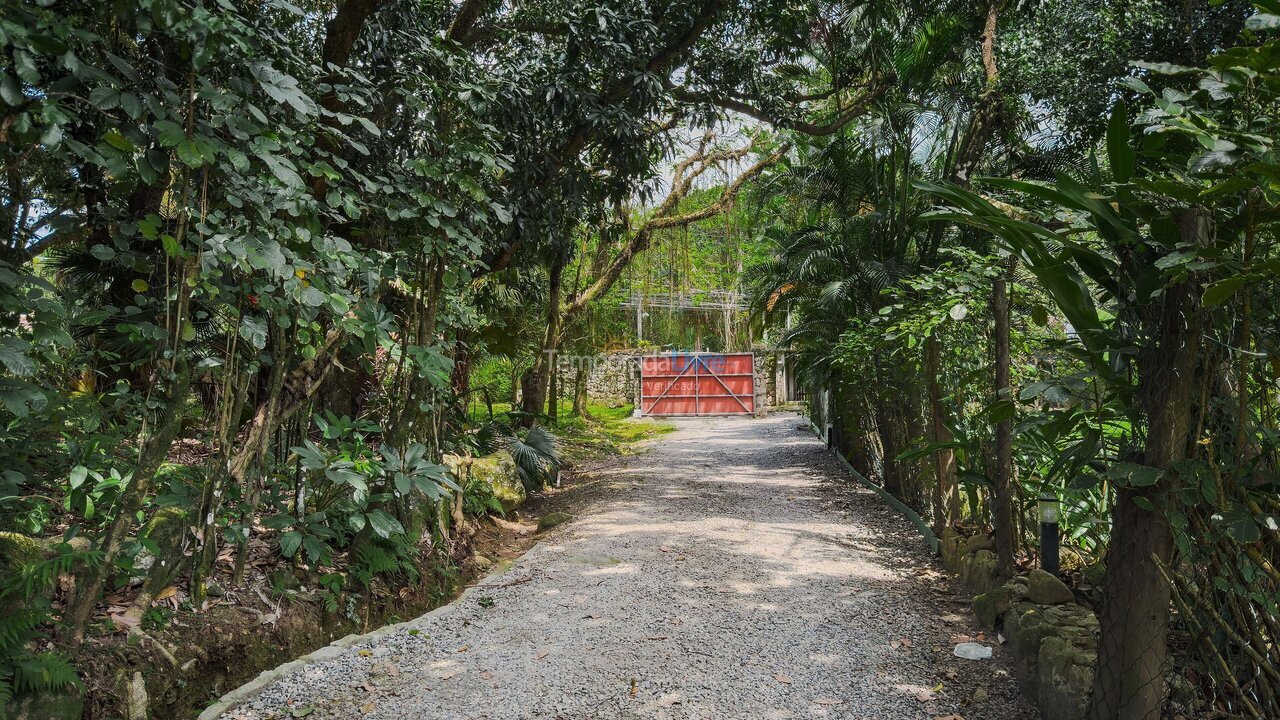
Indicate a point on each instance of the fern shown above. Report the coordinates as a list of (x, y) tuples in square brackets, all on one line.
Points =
[(44, 672), (478, 499), (23, 611), (18, 627), (393, 557)]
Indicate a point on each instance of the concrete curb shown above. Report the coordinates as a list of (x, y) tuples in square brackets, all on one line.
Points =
[(930, 539), (255, 686)]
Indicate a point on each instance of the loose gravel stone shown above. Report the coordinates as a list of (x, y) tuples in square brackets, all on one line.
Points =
[(731, 571)]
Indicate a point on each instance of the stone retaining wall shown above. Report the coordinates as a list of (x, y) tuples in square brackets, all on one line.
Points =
[(1053, 640), (611, 377)]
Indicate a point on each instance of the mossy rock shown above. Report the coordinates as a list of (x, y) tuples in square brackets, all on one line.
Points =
[(990, 606), (1071, 616), (978, 542), (950, 546), (1046, 589), (17, 551), (498, 471), (553, 519), (980, 571), (283, 579), (1062, 682), (49, 706), (1026, 627)]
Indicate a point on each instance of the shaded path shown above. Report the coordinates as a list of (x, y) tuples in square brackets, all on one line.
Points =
[(729, 572)]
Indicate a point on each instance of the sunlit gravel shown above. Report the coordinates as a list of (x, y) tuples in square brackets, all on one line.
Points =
[(731, 571)]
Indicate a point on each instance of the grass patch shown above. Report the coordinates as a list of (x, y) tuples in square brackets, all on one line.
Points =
[(609, 431)]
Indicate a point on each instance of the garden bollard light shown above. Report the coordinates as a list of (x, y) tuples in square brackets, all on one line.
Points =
[(1048, 510)]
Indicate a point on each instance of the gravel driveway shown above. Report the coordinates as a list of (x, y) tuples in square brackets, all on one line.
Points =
[(731, 571)]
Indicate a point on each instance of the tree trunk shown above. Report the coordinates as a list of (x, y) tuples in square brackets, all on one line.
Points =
[(1133, 647), (211, 497), (267, 419), (534, 384), (553, 388), (580, 393), (890, 468), (153, 448), (913, 422), (856, 412), (154, 441), (1002, 478), (946, 505)]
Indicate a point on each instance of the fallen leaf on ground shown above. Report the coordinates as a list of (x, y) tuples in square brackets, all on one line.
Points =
[(123, 621), (828, 701), (540, 655), (782, 678)]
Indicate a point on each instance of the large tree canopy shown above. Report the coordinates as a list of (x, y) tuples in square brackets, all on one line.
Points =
[(261, 259)]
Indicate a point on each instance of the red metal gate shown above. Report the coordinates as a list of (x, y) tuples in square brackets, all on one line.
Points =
[(697, 384)]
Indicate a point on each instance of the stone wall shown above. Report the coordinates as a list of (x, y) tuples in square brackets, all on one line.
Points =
[(1053, 640), (762, 369), (611, 377)]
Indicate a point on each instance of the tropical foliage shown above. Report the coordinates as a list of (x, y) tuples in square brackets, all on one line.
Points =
[(1093, 320), (265, 265)]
